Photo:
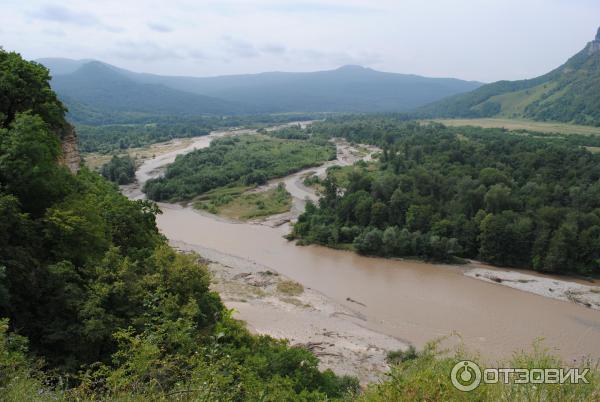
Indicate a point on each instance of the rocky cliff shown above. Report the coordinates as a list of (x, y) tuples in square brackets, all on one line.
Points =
[(70, 153)]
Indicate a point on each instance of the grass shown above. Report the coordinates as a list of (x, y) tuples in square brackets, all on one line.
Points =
[(290, 288), (241, 203), (522, 124), (425, 376)]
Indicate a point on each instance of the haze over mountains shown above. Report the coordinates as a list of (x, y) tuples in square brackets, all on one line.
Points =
[(91, 87), (96, 91), (570, 94)]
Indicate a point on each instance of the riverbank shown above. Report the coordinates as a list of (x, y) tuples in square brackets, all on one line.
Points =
[(408, 301), (333, 332), (305, 317), (559, 289)]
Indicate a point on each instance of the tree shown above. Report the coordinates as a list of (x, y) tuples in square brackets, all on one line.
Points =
[(26, 88), (28, 165), (498, 198), (120, 170), (369, 242)]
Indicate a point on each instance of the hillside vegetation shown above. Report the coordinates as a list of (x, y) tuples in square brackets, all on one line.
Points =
[(529, 200), (239, 203), (570, 94), (239, 160), (94, 304), (96, 91)]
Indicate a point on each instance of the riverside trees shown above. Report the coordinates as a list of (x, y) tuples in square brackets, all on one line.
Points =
[(519, 200)]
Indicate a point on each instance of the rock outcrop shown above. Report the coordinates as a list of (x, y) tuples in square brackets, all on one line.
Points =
[(70, 153)]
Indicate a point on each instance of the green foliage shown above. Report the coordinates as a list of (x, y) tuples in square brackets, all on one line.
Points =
[(90, 288), (508, 199), (28, 166), (425, 376), (120, 170), (240, 160), (25, 88), (290, 133), (237, 203), (570, 94), (400, 356), (109, 138)]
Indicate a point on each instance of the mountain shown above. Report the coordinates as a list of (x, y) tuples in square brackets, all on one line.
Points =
[(346, 89), (98, 87), (61, 66), (570, 93), (92, 86)]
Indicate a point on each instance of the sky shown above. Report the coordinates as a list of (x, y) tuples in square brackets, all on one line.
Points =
[(483, 40)]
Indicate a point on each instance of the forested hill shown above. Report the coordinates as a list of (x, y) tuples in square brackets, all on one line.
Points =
[(522, 200), (570, 93), (98, 87), (94, 304), (89, 87)]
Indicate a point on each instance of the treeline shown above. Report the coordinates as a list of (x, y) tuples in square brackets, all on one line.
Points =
[(120, 169), (294, 132), (238, 160), (105, 139), (94, 304), (441, 193), (139, 132)]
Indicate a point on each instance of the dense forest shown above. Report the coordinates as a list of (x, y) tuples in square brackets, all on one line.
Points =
[(120, 169), (520, 200), (238, 160), (149, 129), (109, 138), (94, 304)]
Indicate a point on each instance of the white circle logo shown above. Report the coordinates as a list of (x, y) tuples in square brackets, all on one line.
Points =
[(466, 375)]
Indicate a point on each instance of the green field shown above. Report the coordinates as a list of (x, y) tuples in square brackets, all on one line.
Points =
[(521, 124), (241, 203)]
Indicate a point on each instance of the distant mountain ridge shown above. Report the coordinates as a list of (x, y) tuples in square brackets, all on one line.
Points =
[(569, 93), (96, 87)]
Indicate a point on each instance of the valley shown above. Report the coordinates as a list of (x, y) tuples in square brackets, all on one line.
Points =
[(259, 201), (398, 302)]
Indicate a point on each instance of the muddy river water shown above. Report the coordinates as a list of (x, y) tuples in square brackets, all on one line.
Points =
[(412, 301)]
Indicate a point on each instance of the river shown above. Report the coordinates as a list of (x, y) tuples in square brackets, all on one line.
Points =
[(412, 301)]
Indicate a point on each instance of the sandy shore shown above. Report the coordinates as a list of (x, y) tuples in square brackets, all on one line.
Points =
[(588, 296), (309, 319), (336, 333)]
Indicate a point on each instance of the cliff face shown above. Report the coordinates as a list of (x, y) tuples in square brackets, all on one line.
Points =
[(594, 46), (70, 154)]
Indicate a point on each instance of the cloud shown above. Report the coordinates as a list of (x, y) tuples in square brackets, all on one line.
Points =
[(64, 15), (158, 27), (273, 48), (311, 7), (338, 58), (144, 51), (240, 48)]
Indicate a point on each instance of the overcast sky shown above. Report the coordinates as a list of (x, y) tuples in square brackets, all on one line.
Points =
[(483, 40)]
